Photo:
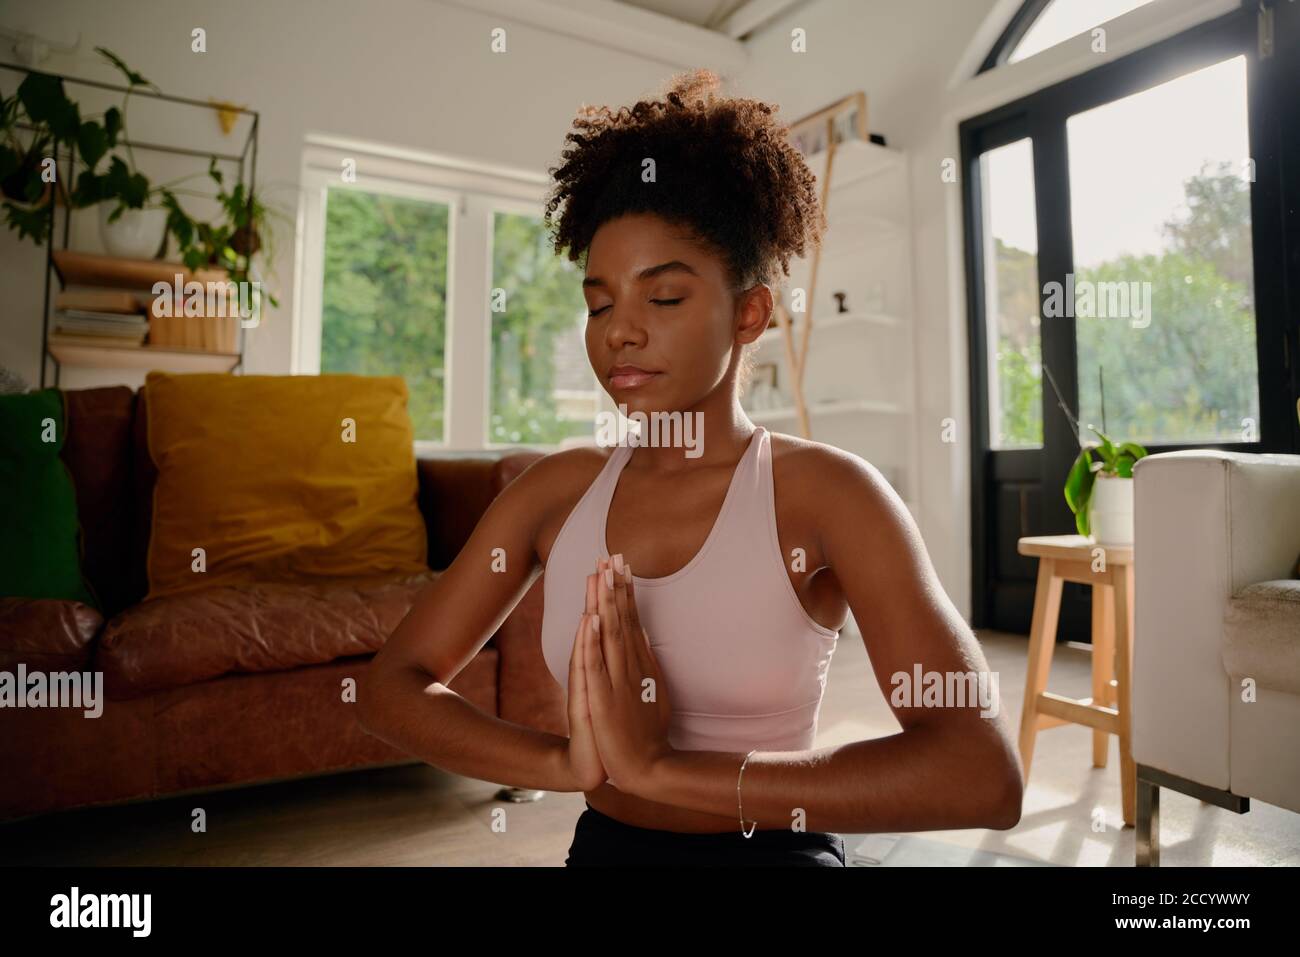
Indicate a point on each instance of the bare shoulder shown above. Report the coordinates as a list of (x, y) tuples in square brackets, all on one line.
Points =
[(831, 476), (552, 479), (864, 531)]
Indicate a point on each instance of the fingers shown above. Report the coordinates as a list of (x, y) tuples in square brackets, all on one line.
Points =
[(638, 640), (594, 660), (634, 617), (611, 638), (578, 667), (632, 642), (578, 684), (575, 656)]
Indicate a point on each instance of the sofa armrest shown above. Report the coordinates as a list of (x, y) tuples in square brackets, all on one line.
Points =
[(454, 494), (1207, 523)]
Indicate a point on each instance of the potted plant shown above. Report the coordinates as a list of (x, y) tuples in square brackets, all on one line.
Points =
[(1100, 492), (132, 216)]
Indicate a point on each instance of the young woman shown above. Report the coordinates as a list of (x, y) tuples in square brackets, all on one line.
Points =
[(693, 598)]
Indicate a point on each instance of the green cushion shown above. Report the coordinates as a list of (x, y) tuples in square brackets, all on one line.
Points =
[(40, 538)]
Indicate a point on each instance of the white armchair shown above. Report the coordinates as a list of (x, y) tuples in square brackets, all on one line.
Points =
[(1216, 657)]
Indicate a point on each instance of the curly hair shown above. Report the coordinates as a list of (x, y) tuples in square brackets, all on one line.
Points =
[(724, 167)]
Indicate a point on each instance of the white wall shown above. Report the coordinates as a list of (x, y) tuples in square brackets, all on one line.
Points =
[(902, 53), (419, 74), (413, 73)]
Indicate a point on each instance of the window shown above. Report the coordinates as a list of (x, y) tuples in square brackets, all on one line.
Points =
[(543, 388), (1011, 296), (440, 270), (1064, 19), (384, 300), (1166, 227), (1042, 24)]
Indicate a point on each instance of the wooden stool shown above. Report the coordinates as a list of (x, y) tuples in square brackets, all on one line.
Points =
[(1109, 570)]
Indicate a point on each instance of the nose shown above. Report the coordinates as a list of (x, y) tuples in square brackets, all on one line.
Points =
[(624, 325)]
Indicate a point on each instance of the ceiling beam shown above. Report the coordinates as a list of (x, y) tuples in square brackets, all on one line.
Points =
[(753, 15), (621, 26)]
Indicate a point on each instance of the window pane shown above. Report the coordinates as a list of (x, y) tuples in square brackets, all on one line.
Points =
[(543, 387), (1010, 236), (383, 305), (1064, 19), (1164, 299)]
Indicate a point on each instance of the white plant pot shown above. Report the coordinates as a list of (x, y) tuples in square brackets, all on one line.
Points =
[(1111, 510), (137, 233)]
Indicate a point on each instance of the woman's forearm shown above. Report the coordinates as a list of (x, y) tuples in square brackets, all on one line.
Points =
[(425, 718), (911, 781)]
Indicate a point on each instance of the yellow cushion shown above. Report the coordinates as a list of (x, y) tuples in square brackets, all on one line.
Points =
[(257, 472)]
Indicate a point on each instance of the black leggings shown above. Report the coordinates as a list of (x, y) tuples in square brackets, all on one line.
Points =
[(601, 841)]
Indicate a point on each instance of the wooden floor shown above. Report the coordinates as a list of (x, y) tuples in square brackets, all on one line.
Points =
[(417, 815)]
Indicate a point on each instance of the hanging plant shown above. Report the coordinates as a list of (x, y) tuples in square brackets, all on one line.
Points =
[(231, 243)]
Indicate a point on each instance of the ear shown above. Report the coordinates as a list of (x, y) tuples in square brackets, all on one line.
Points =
[(753, 312)]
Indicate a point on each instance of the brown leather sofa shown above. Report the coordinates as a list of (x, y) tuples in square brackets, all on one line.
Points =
[(233, 685)]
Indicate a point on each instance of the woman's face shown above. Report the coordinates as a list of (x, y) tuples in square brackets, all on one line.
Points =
[(659, 302)]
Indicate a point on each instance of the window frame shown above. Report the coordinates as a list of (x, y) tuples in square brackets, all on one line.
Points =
[(511, 207), (316, 185), (1014, 32), (474, 190)]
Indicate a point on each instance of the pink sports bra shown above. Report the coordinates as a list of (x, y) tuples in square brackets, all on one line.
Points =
[(744, 662)]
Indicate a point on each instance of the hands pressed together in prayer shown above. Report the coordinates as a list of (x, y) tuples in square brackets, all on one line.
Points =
[(618, 701)]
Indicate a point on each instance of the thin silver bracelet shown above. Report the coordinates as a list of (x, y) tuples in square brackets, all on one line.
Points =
[(739, 804)]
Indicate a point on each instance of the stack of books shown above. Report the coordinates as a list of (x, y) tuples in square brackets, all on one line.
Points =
[(99, 318)]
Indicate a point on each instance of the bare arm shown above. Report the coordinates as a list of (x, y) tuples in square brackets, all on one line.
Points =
[(403, 696), (948, 768)]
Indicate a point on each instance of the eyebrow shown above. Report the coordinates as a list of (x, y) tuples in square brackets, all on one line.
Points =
[(675, 265)]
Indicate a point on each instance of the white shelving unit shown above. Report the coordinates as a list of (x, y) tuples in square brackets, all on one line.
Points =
[(860, 376)]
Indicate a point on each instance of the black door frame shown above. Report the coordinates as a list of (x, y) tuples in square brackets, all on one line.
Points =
[(1273, 86)]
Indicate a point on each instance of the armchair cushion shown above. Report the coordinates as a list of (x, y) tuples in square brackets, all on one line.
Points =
[(46, 634), (1262, 635)]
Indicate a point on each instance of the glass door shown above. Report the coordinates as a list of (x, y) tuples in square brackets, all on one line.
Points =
[(1126, 269)]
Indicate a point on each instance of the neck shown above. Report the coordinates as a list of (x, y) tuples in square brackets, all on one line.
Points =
[(694, 437)]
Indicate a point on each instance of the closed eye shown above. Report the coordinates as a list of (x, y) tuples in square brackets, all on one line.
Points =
[(658, 302)]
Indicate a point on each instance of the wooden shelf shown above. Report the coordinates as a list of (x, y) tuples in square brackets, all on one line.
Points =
[(90, 269), (142, 357)]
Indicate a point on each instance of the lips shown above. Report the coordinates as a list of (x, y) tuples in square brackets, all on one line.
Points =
[(630, 377)]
